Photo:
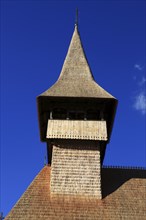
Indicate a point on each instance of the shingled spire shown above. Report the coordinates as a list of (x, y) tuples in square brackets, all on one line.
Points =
[(76, 79)]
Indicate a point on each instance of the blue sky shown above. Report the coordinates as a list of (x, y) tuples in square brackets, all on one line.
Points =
[(35, 36)]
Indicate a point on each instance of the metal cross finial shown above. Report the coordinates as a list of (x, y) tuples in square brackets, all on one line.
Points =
[(76, 21)]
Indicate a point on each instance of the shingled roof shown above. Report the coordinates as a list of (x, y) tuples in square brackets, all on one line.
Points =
[(75, 84), (76, 79), (124, 197)]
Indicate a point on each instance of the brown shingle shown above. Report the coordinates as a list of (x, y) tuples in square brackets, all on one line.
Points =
[(124, 192)]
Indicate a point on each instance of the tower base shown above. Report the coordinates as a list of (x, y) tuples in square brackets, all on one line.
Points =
[(76, 168)]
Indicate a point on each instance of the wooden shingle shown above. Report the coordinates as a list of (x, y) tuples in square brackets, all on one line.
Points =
[(76, 79), (124, 197)]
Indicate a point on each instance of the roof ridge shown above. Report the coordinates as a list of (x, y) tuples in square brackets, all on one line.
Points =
[(124, 167)]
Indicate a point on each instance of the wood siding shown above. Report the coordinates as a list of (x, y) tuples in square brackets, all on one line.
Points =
[(83, 130)]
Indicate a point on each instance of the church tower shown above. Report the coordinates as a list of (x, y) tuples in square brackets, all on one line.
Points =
[(76, 117)]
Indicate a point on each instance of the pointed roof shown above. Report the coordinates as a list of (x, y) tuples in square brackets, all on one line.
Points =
[(76, 79), (124, 198)]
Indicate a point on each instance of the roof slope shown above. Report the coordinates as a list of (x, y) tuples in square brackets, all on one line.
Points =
[(76, 79), (124, 192)]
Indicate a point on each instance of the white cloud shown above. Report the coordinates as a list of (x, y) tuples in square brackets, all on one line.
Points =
[(140, 102), (143, 81), (140, 99), (138, 66)]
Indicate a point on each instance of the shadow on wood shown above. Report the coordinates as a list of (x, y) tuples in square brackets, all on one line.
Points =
[(113, 178)]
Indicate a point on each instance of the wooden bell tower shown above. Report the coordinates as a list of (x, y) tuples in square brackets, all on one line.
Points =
[(76, 117)]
